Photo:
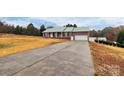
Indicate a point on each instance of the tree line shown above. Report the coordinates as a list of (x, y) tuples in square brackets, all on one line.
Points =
[(111, 33), (30, 29)]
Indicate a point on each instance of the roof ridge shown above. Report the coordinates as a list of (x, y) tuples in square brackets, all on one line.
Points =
[(64, 29), (73, 29)]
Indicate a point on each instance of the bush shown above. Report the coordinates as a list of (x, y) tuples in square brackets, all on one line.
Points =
[(120, 37), (96, 40), (100, 41), (111, 43), (114, 44), (120, 45)]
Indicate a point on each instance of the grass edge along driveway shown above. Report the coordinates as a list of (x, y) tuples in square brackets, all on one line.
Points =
[(11, 43)]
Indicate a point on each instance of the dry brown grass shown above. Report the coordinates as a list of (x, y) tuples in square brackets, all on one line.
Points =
[(108, 60), (10, 43)]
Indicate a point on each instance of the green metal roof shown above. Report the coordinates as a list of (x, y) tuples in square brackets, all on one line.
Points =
[(56, 29), (81, 29), (67, 29)]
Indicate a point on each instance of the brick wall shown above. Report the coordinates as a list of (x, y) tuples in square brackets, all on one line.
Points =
[(64, 34)]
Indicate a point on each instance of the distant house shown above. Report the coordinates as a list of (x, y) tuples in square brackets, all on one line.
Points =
[(73, 33)]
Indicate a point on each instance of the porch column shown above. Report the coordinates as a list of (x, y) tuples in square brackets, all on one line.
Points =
[(55, 34), (49, 34), (61, 34), (45, 34)]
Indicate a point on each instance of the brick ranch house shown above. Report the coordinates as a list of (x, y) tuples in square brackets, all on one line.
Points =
[(73, 33)]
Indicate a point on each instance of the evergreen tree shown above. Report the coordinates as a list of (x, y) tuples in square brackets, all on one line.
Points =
[(42, 28), (74, 25), (120, 38), (30, 29)]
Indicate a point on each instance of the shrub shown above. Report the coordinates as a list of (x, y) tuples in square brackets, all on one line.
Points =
[(111, 43), (96, 40), (120, 45), (100, 41), (114, 44), (120, 38)]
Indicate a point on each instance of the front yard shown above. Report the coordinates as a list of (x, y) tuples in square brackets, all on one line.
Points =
[(10, 43), (108, 60)]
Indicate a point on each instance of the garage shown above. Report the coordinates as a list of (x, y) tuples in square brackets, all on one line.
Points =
[(80, 37)]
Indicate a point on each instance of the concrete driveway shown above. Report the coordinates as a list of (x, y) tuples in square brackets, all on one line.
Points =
[(64, 59)]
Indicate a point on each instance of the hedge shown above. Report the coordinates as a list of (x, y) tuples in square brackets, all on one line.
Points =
[(110, 43)]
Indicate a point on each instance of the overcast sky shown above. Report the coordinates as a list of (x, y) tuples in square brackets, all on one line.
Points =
[(92, 22)]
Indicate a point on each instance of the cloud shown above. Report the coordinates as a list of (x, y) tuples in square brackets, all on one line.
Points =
[(91, 22), (24, 21)]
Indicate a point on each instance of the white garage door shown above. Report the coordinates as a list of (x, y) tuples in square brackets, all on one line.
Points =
[(81, 37)]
